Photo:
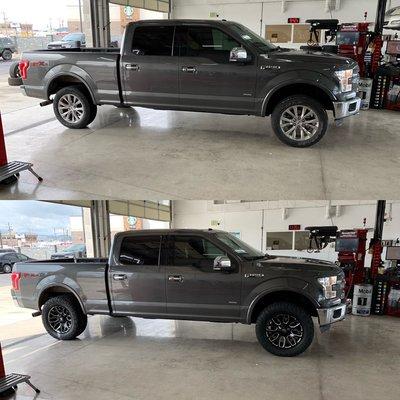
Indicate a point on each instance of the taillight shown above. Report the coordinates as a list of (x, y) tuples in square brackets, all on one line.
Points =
[(23, 68), (15, 278)]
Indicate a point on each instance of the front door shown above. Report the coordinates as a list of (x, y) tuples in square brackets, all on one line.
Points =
[(149, 71), (207, 80), (136, 279), (194, 288)]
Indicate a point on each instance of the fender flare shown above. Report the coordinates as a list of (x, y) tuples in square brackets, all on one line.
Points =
[(284, 84), (276, 290), (60, 74), (64, 286)]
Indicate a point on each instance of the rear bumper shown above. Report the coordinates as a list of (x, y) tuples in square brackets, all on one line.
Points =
[(328, 316), (343, 109)]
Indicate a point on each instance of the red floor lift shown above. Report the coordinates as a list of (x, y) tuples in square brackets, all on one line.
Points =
[(9, 171), (10, 382)]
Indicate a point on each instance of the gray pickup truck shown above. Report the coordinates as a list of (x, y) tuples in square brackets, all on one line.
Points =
[(197, 65), (203, 275)]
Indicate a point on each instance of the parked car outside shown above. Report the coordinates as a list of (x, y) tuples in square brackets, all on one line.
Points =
[(74, 251), (69, 41), (7, 261), (7, 48)]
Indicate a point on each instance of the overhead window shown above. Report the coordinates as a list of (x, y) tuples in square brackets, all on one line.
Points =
[(153, 40)]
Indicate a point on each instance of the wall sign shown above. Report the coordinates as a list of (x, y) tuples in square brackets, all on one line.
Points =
[(293, 20), (294, 227)]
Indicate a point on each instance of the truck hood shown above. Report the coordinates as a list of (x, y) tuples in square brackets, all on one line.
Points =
[(320, 268), (306, 56)]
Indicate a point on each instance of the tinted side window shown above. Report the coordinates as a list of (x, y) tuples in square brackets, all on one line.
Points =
[(140, 250), (153, 40), (21, 257), (206, 42), (193, 250)]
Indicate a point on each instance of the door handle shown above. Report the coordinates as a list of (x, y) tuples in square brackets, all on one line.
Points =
[(119, 277), (189, 70), (175, 278), (132, 67)]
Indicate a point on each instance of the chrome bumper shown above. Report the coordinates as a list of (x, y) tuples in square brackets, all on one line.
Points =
[(327, 316), (343, 109)]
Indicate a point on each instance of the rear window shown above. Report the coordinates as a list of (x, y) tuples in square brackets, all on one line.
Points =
[(153, 40), (140, 250)]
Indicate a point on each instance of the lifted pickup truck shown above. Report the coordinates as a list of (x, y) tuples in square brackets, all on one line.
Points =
[(197, 65), (203, 275)]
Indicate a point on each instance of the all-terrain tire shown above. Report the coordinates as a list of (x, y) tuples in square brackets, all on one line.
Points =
[(282, 113), (83, 106), (266, 329), (14, 71), (71, 320)]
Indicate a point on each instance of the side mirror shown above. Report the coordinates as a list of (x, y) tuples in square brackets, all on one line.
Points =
[(238, 54), (222, 263)]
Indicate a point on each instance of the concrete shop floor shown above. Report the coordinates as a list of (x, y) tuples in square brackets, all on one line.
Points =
[(141, 153), (133, 358)]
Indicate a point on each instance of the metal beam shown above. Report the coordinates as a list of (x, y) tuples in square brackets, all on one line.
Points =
[(101, 231)]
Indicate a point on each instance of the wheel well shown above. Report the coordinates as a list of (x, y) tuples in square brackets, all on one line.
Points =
[(55, 291), (298, 89), (64, 81), (287, 296)]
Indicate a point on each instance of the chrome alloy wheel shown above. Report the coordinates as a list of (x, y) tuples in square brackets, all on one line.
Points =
[(60, 319), (284, 331), (299, 123), (70, 108)]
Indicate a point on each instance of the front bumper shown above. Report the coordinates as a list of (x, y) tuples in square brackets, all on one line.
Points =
[(328, 316), (343, 109)]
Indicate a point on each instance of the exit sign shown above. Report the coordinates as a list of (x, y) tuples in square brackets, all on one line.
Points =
[(293, 20), (294, 227)]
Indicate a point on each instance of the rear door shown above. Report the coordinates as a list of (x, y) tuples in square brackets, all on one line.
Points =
[(149, 71), (194, 289), (137, 281), (207, 79)]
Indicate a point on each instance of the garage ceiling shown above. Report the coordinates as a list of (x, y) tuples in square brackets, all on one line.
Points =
[(138, 208), (154, 5)]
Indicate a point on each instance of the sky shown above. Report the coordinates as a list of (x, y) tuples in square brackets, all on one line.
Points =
[(37, 12), (35, 217)]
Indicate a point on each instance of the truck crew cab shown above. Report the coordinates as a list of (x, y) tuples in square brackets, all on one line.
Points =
[(202, 275), (197, 65)]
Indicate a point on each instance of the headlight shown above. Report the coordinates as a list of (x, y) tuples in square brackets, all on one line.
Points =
[(345, 78), (327, 284)]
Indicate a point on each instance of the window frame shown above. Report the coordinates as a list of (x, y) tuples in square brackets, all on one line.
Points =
[(127, 237)]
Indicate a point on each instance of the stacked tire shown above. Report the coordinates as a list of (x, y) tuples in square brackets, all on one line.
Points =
[(15, 75)]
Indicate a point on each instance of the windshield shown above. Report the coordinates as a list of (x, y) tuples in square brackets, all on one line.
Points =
[(73, 37), (239, 247), (74, 248), (250, 37)]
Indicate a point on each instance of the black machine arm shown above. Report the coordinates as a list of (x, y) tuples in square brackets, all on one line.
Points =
[(321, 236)]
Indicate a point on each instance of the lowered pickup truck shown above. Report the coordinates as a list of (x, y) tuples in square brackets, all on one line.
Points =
[(203, 275), (197, 65)]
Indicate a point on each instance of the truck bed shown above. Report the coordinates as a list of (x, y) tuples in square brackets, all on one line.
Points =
[(98, 68), (87, 277)]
